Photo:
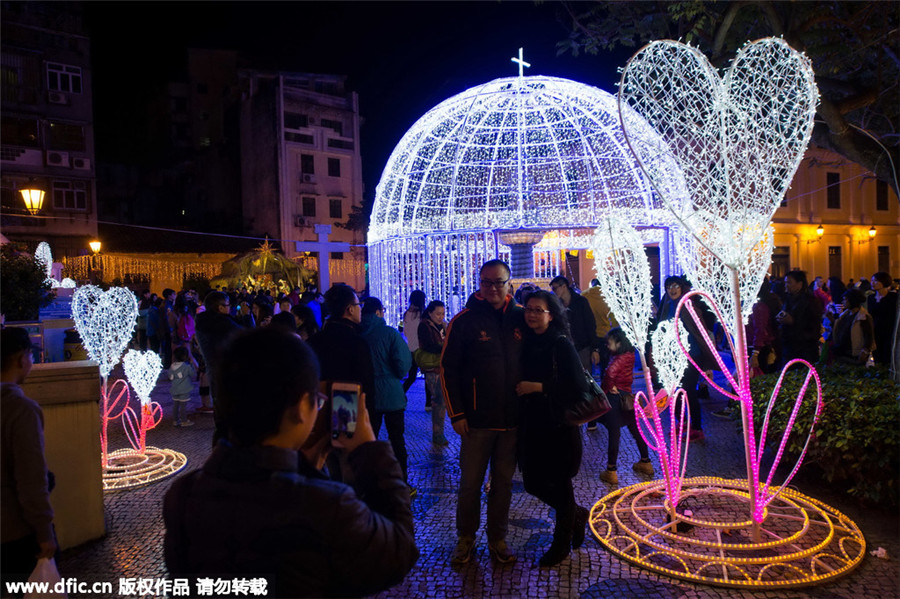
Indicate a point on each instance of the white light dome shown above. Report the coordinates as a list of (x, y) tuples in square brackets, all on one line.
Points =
[(533, 152)]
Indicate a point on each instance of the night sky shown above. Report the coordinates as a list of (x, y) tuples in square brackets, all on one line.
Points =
[(402, 58)]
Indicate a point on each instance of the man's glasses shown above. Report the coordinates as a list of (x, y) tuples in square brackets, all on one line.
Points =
[(495, 284), (321, 398), (536, 311)]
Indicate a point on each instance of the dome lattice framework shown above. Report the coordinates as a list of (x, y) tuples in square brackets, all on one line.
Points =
[(535, 153)]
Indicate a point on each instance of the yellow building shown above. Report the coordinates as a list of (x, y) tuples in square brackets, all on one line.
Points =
[(837, 220)]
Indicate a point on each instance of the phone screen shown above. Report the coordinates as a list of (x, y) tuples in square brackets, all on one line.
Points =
[(344, 409)]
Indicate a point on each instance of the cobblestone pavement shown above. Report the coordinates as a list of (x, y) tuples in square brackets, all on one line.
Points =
[(133, 545)]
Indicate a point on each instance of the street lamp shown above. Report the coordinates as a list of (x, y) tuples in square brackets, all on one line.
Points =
[(872, 233), (820, 230), (34, 199), (95, 246)]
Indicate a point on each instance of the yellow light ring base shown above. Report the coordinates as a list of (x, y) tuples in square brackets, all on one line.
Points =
[(801, 542), (127, 468)]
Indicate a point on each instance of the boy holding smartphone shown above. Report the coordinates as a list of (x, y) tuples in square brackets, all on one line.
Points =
[(250, 512)]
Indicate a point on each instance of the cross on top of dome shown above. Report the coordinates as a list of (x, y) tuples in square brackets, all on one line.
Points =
[(521, 62)]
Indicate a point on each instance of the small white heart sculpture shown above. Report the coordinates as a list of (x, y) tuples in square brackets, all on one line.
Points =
[(142, 371), (105, 321), (737, 139)]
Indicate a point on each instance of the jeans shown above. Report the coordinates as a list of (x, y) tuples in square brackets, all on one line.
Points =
[(477, 449), (179, 410), (396, 428), (613, 421), (438, 411)]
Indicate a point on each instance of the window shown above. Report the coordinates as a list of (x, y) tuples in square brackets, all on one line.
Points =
[(340, 144), (334, 209), (293, 120), (63, 78), (307, 164), (299, 138), (334, 167), (336, 126), (20, 132), (833, 181), (70, 195), (834, 261), (884, 258), (881, 195), (337, 255), (9, 83), (781, 262), (66, 137), (309, 206)]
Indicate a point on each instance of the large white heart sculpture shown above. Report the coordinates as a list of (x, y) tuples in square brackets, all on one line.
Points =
[(737, 139), (105, 321)]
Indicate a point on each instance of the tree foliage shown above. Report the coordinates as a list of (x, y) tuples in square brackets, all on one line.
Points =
[(853, 47), (24, 288)]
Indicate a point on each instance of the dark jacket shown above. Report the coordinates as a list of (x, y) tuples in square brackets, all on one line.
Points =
[(547, 448), (582, 322), (390, 362), (431, 339), (480, 364), (884, 316), (212, 330), (310, 537), (345, 356), (801, 338), (697, 347)]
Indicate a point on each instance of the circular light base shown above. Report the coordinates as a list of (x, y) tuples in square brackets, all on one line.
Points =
[(127, 468), (801, 541)]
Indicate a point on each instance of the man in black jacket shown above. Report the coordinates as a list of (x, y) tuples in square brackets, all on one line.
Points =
[(213, 327), (258, 509), (800, 320), (581, 321), (480, 369)]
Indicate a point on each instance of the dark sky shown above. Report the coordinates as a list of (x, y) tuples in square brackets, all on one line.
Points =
[(402, 58)]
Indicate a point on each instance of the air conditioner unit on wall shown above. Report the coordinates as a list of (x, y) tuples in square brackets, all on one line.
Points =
[(81, 164), (300, 221), (60, 159), (57, 98), (308, 178)]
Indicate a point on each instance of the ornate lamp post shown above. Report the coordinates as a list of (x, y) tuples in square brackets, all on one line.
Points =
[(33, 198)]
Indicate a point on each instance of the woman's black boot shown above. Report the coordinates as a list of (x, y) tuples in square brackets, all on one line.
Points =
[(578, 528), (559, 548)]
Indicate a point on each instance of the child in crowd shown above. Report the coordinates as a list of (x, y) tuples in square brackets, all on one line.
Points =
[(182, 373), (617, 385)]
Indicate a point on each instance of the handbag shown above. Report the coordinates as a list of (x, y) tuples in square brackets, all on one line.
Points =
[(426, 360), (627, 401), (592, 404), (45, 572)]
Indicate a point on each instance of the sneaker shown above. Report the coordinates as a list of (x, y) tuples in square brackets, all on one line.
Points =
[(500, 552), (610, 476), (465, 546), (696, 434), (440, 440), (643, 468), (176, 424), (185, 423), (592, 426)]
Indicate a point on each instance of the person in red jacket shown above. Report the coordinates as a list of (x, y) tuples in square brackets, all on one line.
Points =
[(617, 384)]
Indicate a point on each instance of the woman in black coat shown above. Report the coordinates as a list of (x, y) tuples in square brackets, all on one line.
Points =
[(549, 451)]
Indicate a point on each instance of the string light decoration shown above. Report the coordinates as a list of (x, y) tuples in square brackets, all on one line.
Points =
[(623, 270), (141, 465), (45, 256), (738, 141), (536, 153)]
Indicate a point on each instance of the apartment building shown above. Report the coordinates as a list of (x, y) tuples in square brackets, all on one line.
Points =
[(301, 169), (47, 125)]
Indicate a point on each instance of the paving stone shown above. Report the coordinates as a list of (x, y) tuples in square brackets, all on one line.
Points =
[(133, 545)]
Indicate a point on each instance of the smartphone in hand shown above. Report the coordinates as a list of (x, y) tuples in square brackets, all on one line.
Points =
[(344, 408)]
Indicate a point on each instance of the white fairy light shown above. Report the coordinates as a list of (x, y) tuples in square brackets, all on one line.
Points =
[(670, 361), (535, 153), (624, 274), (142, 371), (67, 283), (737, 139), (43, 254), (105, 321)]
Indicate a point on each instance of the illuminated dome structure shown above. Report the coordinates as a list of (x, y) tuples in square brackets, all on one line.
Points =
[(514, 162)]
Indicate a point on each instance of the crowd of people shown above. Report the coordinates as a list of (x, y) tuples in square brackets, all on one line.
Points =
[(330, 514)]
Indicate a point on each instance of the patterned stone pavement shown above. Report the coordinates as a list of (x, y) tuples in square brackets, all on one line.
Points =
[(133, 545)]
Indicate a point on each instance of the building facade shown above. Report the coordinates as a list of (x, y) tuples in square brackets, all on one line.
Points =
[(859, 218), (301, 170), (47, 124)]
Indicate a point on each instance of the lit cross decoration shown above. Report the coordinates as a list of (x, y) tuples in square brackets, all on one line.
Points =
[(521, 62)]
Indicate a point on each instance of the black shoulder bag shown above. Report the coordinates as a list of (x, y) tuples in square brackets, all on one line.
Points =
[(591, 405)]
